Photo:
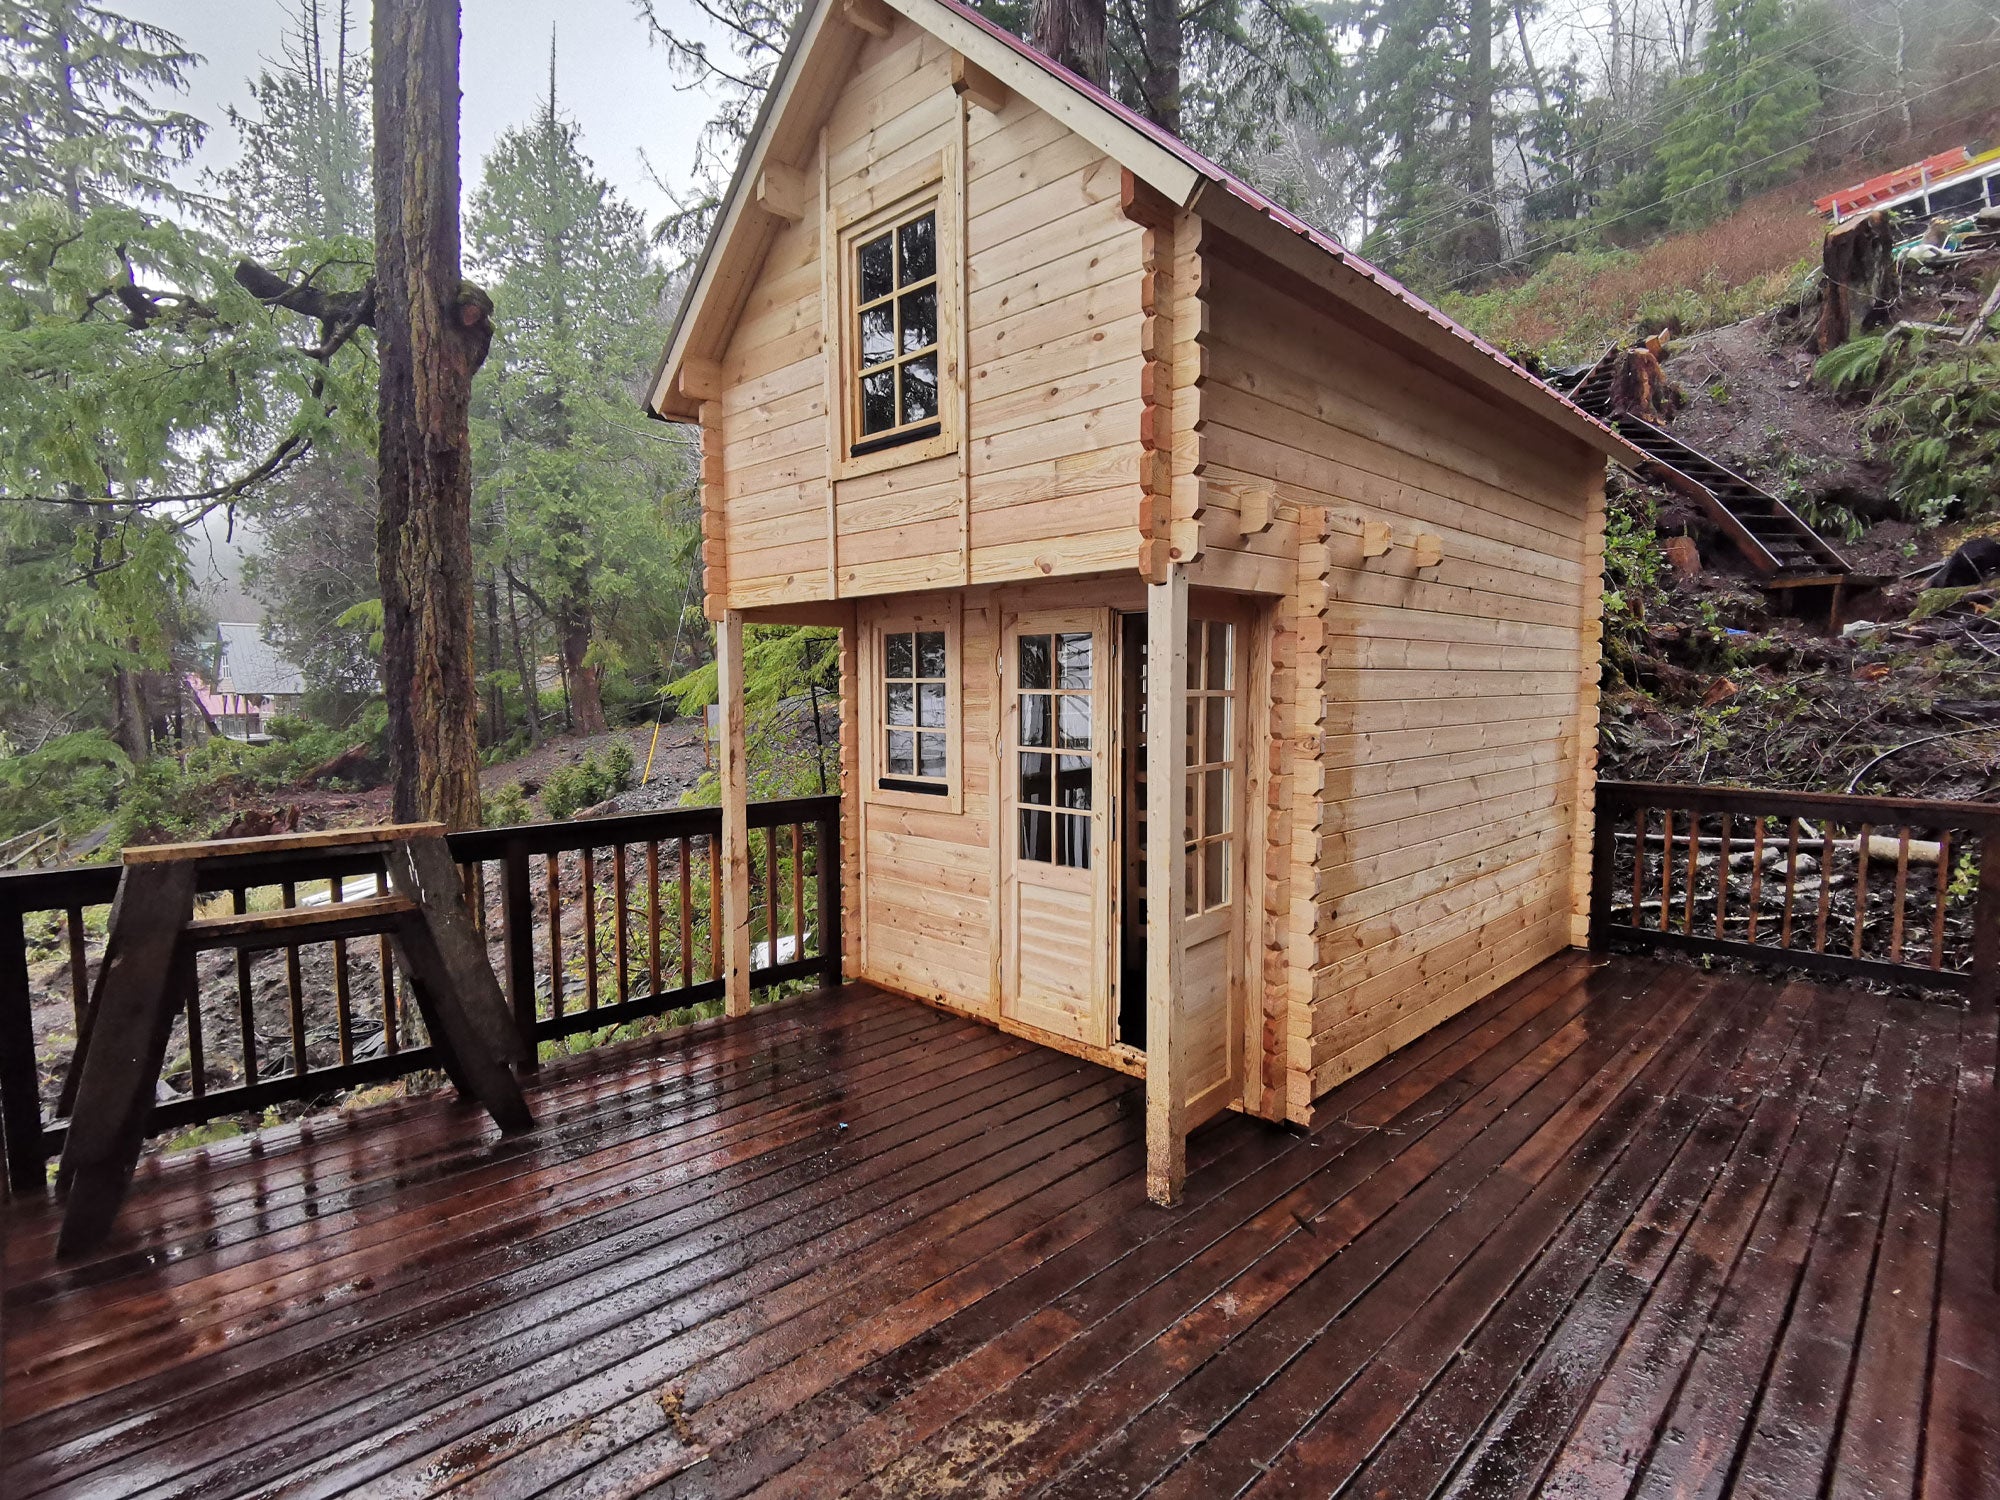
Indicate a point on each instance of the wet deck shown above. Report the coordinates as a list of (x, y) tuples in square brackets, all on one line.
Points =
[(1622, 1228)]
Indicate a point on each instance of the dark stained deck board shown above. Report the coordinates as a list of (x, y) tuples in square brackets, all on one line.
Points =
[(1623, 1227)]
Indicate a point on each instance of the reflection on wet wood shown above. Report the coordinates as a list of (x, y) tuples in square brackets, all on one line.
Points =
[(1624, 1227)]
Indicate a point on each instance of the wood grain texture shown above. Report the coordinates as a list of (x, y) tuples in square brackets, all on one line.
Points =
[(1615, 1228)]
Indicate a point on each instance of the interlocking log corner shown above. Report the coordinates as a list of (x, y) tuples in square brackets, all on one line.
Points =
[(537, 893), (1885, 888)]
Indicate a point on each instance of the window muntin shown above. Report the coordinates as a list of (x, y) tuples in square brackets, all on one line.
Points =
[(897, 342), (1055, 747), (1208, 833), (915, 727)]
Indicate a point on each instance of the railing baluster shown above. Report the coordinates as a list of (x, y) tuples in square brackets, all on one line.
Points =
[(517, 923), (295, 990), (20, 1082), (1667, 869), (1722, 878), (1901, 894), (1861, 887), (771, 897), (79, 965), (1825, 884), (715, 905), (589, 866), (653, 914), (1641, 820), (1694, 857), (686, 905), (826, 856), (556, 977), (246, 1010), (618, 895), (1756, 874), (392, 1031), (798, 897), (1791, 884), (190, 979), (1943, 897), (343, 990)]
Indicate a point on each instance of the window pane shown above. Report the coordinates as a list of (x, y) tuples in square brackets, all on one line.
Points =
[(1034, 719), (1215, 874), (1193, 802), (1215, 802), (878, 335), (1035, 836), (930, 756), (1073, 721), (1073, 782), (897, 658), (1034, 654), (1191, 867), (878, 401), (902, 699), (877, 273), (1035, 779), (1194, 730), (930, 654), (919, 240), (1194, 637), (1073, 661), (920, 397), (1221, 653), (902, 753), (930, 705), (1073, 842), (1215, 741), (919, 320)]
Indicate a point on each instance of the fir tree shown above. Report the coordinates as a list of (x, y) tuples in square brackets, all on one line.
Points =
[(1745, 119), (573, 484)]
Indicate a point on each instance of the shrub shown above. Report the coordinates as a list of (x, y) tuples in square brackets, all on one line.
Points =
[(1935, 411), (508, 806)]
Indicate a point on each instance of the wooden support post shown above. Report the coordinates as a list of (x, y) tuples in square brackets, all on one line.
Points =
[(133, 1012), (735, 826), (1166, 793), (20, 1083), (826, 853)]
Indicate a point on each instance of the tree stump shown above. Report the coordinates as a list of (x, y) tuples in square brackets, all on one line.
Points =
[(1859, 259)]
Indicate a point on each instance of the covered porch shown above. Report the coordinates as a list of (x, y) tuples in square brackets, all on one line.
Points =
[(1622, 1227)]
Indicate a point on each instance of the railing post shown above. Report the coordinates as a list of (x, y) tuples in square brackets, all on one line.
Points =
[(20, 1079), (829, 897), (517, 920), (1603, 872)]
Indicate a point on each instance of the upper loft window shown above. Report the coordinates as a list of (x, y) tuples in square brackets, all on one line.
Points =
[(893, 366)]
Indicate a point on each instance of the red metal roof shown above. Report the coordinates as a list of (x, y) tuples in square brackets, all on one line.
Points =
[(1240, 189), (1849, 200)]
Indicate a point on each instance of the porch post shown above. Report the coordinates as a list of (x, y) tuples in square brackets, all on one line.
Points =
[(735, 826), (1166, 799)]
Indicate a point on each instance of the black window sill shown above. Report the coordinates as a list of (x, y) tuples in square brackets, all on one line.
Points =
[(895, 440), (923, 788)]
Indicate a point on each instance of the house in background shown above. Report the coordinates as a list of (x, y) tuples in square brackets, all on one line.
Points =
[(1220, 620), (249, 683)]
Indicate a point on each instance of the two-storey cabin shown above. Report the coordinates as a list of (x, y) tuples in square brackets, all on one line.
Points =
[(1220, 621)]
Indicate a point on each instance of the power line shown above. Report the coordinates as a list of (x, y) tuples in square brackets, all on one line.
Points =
[(1707, 182)]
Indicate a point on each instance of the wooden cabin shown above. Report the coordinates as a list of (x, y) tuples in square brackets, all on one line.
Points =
[(1057, 422)]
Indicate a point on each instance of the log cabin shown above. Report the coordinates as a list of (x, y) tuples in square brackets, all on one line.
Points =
[(1059, 423)]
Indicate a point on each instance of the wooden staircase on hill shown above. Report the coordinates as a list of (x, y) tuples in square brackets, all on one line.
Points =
[(1785, 551)]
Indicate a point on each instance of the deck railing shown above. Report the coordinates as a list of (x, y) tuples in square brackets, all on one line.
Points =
[(590, 924), (1885, 888)]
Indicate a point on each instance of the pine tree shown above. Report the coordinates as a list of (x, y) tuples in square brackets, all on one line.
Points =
[(1746, 116), (573, 484)]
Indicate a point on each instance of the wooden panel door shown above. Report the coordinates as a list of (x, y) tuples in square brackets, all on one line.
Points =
[(1057, 776), (1208, 1011)]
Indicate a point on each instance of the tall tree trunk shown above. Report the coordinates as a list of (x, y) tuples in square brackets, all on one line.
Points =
[(135, 736), (1481, 241), (432, 331), (1072, 33), (585, 694), (1162, 83), (531, 683), (496, 702)]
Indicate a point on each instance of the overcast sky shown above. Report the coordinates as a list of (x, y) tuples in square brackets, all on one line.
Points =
[(609, 77)]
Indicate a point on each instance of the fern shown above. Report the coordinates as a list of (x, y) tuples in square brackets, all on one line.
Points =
[(1857, 365)]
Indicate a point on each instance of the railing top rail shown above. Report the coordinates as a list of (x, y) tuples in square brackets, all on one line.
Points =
[(1918, 811), (94, 885)]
